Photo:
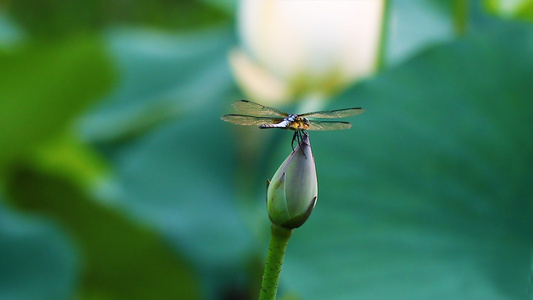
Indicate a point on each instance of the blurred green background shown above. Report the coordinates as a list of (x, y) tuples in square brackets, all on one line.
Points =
[(118, 180)]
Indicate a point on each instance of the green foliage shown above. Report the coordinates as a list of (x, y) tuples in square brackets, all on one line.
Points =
[(174, 75), (526, 11), (120, 260), (36, 259), (520, 10), (57, 18), (43, 87), (414, 24)]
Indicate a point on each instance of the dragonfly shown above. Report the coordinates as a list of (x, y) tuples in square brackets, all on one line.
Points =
[(254, 114)]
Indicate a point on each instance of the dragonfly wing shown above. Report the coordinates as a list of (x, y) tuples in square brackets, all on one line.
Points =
[(251, 108), (250, 120), (328, 125), (332, 114)]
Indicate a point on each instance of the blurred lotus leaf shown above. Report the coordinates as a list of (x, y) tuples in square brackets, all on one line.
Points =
[(36, 259)]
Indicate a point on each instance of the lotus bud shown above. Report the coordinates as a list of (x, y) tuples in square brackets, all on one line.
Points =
[(293, 191)]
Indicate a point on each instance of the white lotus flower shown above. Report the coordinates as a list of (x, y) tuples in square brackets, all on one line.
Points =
[(293, 48)]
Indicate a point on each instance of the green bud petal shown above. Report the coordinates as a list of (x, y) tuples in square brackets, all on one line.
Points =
[(293, 192), (276, 201)]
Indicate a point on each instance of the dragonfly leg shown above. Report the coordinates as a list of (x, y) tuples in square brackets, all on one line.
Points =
[(298, 137), (295, 137)]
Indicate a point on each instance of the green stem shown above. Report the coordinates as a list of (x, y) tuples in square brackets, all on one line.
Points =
[(460, 16), (279, 239), (382, 51)]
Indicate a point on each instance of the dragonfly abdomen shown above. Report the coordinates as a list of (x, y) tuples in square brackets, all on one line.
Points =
[(282, 124)]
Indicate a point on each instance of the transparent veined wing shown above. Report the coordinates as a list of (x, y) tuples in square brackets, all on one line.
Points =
[(250, 120), (251, 108), (332, 114), (328, 125)]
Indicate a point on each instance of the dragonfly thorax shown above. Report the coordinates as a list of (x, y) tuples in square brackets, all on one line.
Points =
[(297, 123)]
